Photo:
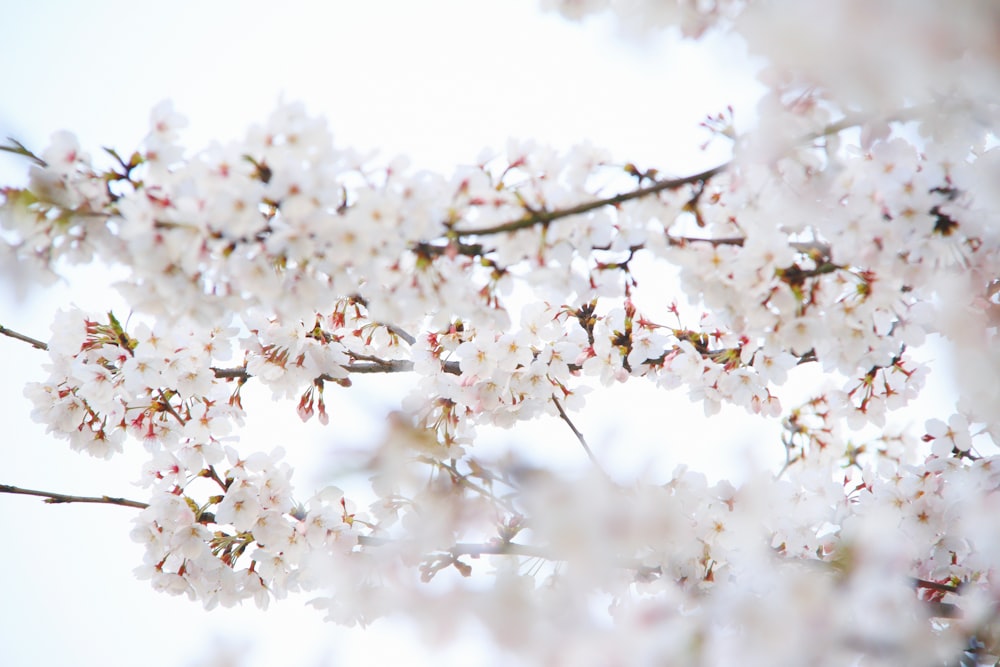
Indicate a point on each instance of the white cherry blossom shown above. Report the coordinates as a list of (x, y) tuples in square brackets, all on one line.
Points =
[(855, 221)]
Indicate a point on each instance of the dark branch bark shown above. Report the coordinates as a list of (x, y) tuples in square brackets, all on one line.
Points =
[(365, 368), (545, 217), (933, 585), (56, 498)]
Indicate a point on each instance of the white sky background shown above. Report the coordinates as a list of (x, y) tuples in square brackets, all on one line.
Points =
[(437, 81)]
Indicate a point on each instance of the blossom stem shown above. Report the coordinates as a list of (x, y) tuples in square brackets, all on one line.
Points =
[(56, 498)]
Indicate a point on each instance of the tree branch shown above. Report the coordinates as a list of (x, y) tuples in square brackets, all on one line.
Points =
[(17, 148), (56, 498), (381, 366), (544, 217), (935, 586), (393, 329), (368, 366), (374, 365), (583, 441), (533, 218), (34, 342)]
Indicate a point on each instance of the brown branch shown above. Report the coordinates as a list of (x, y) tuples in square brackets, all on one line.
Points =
[(535, 217), (684, 240), (56, 498), (27, 339), (231, 373), (374, 365), (813, 249), (370, 364), (579, 436), (377, 365), (544, 217), (165, 402), (459, 549), (428, 250), (935, 586)]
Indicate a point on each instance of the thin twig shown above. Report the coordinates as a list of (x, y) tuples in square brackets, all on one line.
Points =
[(17, 148), (463, 480), (784, 468), (56, 498), (788, 444), (34, 342), (579, 436)]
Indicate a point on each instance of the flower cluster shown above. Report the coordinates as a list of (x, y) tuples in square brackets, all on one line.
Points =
[(854, 223), (105, 383)]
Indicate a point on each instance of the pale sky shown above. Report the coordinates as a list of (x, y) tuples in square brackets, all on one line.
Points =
[(437, 81)]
